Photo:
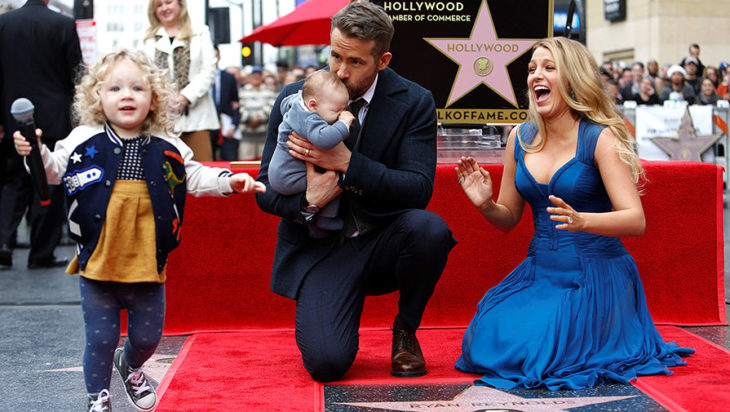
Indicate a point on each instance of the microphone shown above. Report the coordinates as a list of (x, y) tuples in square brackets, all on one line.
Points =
[(22, 111)]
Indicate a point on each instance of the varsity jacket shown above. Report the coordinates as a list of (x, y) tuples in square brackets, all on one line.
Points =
[(86, 163)]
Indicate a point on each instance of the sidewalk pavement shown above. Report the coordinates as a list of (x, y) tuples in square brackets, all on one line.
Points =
[(42, 341)]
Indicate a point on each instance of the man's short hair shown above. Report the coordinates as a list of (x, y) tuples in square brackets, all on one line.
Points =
[(366, 21)]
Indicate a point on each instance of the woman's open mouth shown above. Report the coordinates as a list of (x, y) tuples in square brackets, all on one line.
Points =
[(541, 93)]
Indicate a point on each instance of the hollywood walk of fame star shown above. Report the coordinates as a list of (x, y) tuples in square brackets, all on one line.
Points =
[(485, 398), (475, 54), (76, 157), (686, 145), (155, 367)]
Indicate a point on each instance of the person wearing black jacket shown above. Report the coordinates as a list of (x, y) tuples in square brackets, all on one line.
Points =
[(41, 57), (225, 96), (647, 95), (384, 173)]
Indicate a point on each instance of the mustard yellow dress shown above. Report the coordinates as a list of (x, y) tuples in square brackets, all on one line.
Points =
[(126, 251)]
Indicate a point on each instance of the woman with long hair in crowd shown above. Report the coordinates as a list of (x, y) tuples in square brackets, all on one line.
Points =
[(186, 53)]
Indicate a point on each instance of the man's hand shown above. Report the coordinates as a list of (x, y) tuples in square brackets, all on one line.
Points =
[(321, 187), (337, 158)]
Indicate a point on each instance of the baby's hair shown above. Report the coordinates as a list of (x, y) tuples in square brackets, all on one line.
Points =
[(318, 80), (87, 100)]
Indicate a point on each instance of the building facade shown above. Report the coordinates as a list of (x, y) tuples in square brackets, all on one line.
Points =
[(659, 29)]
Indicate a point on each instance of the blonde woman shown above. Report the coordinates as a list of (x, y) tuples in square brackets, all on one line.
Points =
[(186, 53), (573, 313)]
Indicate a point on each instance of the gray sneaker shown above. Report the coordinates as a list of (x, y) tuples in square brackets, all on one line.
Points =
[(139, 391), (100, 402)]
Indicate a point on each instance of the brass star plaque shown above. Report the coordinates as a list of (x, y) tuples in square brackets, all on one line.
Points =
[(686, 145)]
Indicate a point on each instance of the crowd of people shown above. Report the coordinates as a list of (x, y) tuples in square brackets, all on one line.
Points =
[(689, 80), (257, 88)]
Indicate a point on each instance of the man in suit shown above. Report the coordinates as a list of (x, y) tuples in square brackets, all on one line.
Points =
[(384, 172), (41, 56), (225, 96)]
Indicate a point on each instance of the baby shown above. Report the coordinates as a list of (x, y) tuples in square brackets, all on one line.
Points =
[(318, 114)]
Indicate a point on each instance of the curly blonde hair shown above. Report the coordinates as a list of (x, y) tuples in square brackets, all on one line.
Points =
[(585, 95), (87, 105)]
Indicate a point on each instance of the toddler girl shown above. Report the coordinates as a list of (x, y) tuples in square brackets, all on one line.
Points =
[(126, 178)]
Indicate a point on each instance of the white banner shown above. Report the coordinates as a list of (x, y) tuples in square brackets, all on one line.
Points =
[(664, 121), (87, 39)]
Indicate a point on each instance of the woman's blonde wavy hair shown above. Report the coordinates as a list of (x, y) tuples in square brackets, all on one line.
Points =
[(87, 105), (186, 25), (586, 97)]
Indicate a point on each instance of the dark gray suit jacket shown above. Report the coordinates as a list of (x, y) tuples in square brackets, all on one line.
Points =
[(392, 173), (40, 55)]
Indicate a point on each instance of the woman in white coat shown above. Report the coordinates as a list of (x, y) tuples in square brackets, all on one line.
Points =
[(186, 52)]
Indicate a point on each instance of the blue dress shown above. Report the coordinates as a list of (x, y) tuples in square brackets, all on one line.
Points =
[(573, 314)]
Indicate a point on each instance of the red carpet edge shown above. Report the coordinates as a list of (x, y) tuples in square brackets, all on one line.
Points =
[(179, 359), (700, 385)]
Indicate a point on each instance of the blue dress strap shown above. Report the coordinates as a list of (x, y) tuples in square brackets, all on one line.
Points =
[(526, 133), (588, 134)]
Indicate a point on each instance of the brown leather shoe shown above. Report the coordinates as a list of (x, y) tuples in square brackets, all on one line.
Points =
[(406, 358)]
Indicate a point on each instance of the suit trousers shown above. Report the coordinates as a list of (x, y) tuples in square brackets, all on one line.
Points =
[(229, 150), (407, 256), (46, 221), (46, 224), (15, 195)]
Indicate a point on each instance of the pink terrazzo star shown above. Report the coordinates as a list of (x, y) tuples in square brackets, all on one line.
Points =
[(483, 43)]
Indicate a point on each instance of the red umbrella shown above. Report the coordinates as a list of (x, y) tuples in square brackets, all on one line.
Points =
[(309, 23)]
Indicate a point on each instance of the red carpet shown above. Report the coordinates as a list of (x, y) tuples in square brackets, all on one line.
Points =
[(262, 370), (218, 279), (702, 385)]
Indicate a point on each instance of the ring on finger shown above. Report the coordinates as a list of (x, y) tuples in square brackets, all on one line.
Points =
[(306, 152), (570, 220)]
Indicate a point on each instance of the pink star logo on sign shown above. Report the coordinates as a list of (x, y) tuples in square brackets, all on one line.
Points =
[(482, 58)]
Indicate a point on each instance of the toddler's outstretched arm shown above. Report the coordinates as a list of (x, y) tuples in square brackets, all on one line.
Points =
[(243, 183)]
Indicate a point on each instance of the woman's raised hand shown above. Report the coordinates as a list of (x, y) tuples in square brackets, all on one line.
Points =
[(475, 181)]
